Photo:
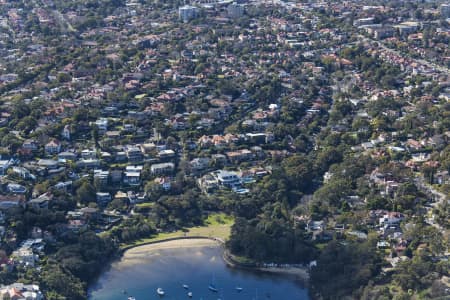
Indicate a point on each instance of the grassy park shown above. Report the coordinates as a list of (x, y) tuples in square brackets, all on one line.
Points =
[(216, 225)]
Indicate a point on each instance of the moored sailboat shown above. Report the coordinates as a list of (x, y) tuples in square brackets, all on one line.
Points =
[(160, 291)]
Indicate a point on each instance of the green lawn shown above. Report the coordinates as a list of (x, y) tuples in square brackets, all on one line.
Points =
[(145, 205), (217, 225)]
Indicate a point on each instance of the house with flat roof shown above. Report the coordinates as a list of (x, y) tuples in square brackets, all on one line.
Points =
[(9, 201), (163, 168), (103, 198), (227, 178)]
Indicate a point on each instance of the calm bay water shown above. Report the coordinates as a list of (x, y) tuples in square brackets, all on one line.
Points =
[(140, 275)]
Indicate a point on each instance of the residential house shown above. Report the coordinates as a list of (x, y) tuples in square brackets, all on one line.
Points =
[(383, 245), (101, 177), (40, 202), (164, 183), (259, 138), (67, 156), (102, 125), (166, 154), (63, 186), (116, 176), (4, 165), (65, 134), (442, 177), (132, 175), (53, 147), (236, 157), (24, 173), (89, 163), (227, 178), (20, 291), (208, 183), (390, 218), (25, 256), (15, 188), (30, 145), (219, 159), (76, 225), (9, 201), (162, 168), (121, 156), (199, 164), (315, 225), (134, 154), (103, 198), (48, 164), (88, 154)]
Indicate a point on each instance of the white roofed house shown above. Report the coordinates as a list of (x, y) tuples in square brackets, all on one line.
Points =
[(163, 168), (188, 12), (166, 154), (390, 218), (132, 175), (102, 124), (134, 154), (15, 188), (4, 165), (88, 154), (227, 178), (199, 163), (24, 173), (101, 177)]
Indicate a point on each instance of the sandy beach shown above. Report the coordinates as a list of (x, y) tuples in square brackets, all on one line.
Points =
[(173, 244)]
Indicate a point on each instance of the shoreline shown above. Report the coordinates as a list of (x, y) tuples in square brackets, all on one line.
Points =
[(187, 242), (134, 251)]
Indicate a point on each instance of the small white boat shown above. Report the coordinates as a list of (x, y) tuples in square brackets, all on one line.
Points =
[(160, 291), (185, 286), (239, 289), (131, 298), (190, 294), (213, 288)]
